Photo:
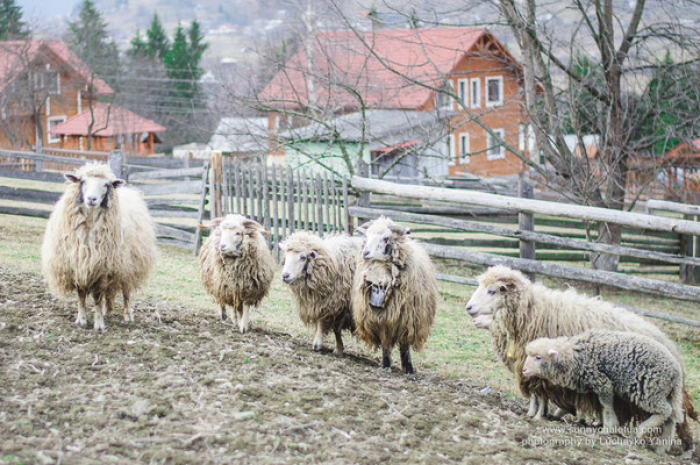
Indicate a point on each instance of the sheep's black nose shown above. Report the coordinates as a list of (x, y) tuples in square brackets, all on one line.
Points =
[(285, 276), (469, 308), (92, 199), (365, 253)]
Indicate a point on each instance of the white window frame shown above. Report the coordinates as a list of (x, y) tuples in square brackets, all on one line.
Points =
[(449, 101), (80, 102), (475, 102), (494, 103), (463, 91), (451, 146), (521, 137), (464, 154), (490, 155), (49, 120)]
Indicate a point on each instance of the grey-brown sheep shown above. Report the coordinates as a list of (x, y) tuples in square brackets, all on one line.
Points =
[(395, 295), (236, 266), (319, 273)]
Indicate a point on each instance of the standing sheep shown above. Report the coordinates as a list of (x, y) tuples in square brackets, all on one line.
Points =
[(394, 296), (630, 366), (100, 239), (523, 311), (236, 266), (319, 273)]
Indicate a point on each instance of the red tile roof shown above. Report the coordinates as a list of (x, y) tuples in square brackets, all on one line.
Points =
[(15, 55), (684, 150), (110, 120), (342, 57)]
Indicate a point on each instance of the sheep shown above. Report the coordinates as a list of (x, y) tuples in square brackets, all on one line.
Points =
[(523, 311), (236, 266), (631, 366), (99, 240), (394, 296), (319, 273)]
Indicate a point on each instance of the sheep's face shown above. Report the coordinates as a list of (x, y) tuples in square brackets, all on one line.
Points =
[(94, 190), (380, 238), (296, 263), (541, 355), (234, 231), (485, 300)]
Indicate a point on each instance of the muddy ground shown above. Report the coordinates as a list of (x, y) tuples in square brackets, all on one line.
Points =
[(190, 389)]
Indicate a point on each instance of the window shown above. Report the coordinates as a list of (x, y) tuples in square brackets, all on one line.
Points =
[(444, 99), (494, 148), (51, 124), (526, 136), (521, 137), (464, 151), (463, 91), (494, 91), (475, 94), (451, 149)]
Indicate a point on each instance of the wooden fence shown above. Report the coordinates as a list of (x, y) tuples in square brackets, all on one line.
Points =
[(280, 199), (176, 197), (529, 239)]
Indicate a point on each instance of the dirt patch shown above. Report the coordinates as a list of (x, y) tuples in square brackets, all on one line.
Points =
[(190, 389)]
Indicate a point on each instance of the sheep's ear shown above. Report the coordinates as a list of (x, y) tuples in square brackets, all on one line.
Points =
[(118, 183), (282, 246), (70, 177), (361, 230), (399, 230), (552, 352), (250, 224), (313, 254), (210, 224)]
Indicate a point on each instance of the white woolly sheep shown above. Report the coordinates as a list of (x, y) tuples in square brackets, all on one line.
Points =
[(236, 266), (319, 272), (99, 240), (630, 366), (395, 294), (523, 311)]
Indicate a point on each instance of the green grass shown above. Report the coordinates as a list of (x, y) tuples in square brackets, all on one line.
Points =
[(455, 349)]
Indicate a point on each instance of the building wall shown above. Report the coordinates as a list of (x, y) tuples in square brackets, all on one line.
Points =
[(507, 116), (330, 154)]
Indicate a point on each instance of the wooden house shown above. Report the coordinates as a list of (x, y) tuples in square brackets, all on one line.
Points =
[(347, 77), (111, 128), (42, 84)]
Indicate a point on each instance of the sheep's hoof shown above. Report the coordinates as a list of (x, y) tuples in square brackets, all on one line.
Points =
[(338, 353), (243, 329), (81, 321), (387, 369), (317, 346), (100, 326), (129, 318), (410, 371)]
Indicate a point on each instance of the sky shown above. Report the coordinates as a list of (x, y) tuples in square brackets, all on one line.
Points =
[(42, 9)]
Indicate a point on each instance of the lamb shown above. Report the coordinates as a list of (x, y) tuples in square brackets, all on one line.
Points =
[(236, 266), (99, 240), (523, 312), (395, 294), (630, 366), (319, 272)]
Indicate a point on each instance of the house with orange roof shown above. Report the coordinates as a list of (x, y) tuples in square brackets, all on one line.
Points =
[(398, 69), (49, 98), (111, 128)]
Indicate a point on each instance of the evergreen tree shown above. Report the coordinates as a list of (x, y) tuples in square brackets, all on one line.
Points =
[(177, 66), (138, 46), (11, 24), (88, 38), (197, 47), (157, 44)]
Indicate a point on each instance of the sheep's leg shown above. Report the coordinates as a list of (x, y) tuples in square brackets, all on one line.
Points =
[(244, 318), (109, 304), (406, 364), (534, 406), (318, 336), (386, 359), (224, 317), (338, 343), (651, 424), (666, 437), (100, 309), (128, 309), (543, 403), (230, 313), (82, 309), (610, 421)]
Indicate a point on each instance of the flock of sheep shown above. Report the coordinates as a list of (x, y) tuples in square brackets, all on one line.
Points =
[(577, 354)]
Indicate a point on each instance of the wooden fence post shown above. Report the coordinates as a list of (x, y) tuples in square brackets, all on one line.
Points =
[(364, 199), (526, 222), (115, 161), (38, 164), (687, 273)]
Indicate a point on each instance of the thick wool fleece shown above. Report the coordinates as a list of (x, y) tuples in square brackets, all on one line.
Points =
[(98, 251), (240, 280), (408, 315), (323, 293)]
